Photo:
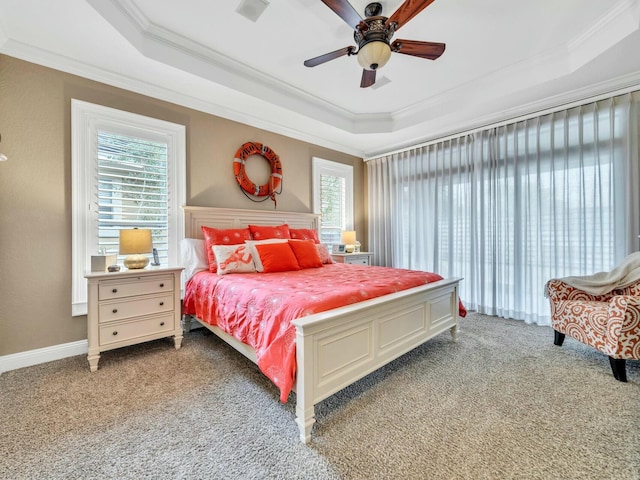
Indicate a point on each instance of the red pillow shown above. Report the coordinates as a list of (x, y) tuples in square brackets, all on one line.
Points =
[(304, 234), (277, 257), (262, 232), (217, 236), (306, 253)]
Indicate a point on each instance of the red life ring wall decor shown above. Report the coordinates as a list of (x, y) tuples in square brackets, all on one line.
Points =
[(269, 189)]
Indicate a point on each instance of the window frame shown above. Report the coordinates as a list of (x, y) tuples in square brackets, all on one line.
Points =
[(86, 119), (321, 166)]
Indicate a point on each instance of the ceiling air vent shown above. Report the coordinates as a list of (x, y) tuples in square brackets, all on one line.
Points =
[(252, 9)]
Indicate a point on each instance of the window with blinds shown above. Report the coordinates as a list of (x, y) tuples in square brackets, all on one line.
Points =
[(333, 208), (332, 198), (128, 170), (132, 190)]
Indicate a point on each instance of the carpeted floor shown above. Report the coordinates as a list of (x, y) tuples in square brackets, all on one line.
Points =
[(502, 403)]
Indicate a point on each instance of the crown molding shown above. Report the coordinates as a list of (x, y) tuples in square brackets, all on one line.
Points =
[(619, 22), (288, 124), (173, 49), (624, 13), (244, 94), (180, 52), (455, 127)]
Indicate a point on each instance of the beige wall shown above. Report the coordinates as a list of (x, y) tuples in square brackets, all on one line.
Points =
[(35, 189)]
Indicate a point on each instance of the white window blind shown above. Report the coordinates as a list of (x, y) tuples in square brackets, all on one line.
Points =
[(132, 175), (332, 208), (333, 198)]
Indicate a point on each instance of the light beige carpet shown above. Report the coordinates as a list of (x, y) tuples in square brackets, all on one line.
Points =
[(502, 403)]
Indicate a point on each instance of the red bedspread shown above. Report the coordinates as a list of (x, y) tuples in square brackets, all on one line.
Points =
[(256, 308)]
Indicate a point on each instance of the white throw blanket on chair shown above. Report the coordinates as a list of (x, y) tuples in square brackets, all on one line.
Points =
[(625, 274)]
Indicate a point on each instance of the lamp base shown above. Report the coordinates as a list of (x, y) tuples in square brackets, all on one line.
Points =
[(134, 262)]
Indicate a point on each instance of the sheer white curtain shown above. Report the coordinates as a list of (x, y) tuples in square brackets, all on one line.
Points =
[(509, 207)]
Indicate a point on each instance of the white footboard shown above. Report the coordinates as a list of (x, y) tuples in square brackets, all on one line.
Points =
[(336, 348)]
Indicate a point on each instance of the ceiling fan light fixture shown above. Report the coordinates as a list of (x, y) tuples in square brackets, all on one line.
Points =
[(374, 55)]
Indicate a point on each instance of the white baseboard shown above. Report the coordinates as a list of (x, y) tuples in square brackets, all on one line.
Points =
[(42, 355), (55, 352)]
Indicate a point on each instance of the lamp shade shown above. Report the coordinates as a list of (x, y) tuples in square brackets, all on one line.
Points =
[(374, 55), (348, 237), (135, 243)]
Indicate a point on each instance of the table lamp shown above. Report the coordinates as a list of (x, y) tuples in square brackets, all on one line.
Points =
[(348, 238), (135, 243)]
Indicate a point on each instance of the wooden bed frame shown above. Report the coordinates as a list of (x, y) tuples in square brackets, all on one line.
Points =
[(336, 348)]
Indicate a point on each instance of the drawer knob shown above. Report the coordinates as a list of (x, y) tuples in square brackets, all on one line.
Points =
[(115, 332), (162, 324), (161, 303), (115, 310), (161, 285), (115, 290)]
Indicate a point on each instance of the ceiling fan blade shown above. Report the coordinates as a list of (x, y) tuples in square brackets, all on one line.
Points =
[(428, 50), (368, 78), (408, 10), (312, 62), (344, 10)]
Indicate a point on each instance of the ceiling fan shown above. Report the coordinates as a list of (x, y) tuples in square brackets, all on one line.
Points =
[(373, 35)]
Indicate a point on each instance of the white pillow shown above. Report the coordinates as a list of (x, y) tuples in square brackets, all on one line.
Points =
[(234, 259), (193, 257), (254, 251)]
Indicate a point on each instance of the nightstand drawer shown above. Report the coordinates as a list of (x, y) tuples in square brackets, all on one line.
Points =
[(357, 260), (111, 311), (112, 289), (119, 332)]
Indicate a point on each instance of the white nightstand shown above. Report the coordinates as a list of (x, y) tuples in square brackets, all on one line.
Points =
[(360, 258), (132, 306)]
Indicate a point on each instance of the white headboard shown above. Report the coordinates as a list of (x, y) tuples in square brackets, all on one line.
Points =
[(196, 217)]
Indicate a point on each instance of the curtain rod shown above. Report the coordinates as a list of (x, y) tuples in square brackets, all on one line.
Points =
[(527, 116)]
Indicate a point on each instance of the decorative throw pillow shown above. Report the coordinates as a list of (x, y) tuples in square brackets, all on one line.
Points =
[(233, 259), (263, 232), (324, 254), (252, 248), (306, 253), (304, 234), (218, 236), (277, 257)]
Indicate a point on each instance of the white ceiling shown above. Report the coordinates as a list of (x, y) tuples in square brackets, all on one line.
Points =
[(504, 58)]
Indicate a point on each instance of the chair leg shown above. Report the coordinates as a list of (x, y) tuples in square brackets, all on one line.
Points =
[(558, 338), (618, 368)]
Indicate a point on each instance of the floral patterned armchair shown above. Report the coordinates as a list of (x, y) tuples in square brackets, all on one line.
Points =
[(610, 323)]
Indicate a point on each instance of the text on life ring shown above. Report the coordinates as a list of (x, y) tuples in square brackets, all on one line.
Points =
[(275, 178)]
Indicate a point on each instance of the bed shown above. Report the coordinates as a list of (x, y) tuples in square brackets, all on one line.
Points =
[(337, 347)]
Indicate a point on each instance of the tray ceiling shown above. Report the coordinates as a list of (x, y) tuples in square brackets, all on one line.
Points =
[(504, 58)]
